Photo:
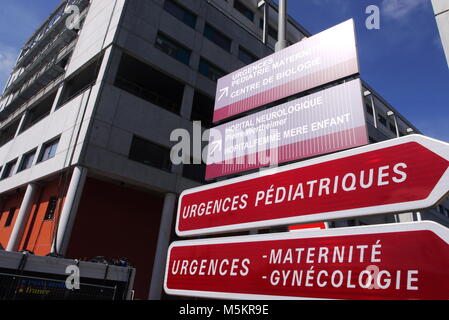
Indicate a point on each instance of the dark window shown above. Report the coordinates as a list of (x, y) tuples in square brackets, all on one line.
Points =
[(81, 81), (352, 223), (8, 133), (392, 127), (244, 10), (149, 84), (48, 150), (203, 109), (382, 119), (51, 208), (38, 112), (209, 70), (272, 32), (246, 57), (10, 217), (9, 169), (217, 37), (196, 172), (180, 13), (149, 153), (27, 160), (371, 140), (369, 108), (173, 48)]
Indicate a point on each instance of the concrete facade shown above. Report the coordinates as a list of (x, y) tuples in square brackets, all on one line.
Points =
[(441, 9), (98, 122)]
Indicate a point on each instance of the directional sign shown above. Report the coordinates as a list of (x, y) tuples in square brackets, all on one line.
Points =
[(399, 175), (327, 121), (323, 58), (394, 261)]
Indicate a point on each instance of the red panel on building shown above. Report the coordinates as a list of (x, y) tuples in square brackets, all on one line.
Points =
[(118, 222)]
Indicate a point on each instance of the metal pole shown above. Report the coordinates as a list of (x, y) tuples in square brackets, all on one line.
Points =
[(396, 125), (266, 7), (163, 242), (282, 28)]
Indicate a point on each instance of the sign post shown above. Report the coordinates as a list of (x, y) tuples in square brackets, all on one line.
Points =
[(388, 177), (393, 261)]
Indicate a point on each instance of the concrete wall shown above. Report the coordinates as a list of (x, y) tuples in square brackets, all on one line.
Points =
[(441, 9), (98, 31)]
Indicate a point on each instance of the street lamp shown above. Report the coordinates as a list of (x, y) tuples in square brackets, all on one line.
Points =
[(266, 7)]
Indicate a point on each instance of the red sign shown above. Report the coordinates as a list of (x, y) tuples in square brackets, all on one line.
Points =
[(399, 175), (394, 261), (316, 226)]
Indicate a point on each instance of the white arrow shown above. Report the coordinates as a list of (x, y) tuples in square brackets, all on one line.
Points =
[(224, 91), (215, 146)]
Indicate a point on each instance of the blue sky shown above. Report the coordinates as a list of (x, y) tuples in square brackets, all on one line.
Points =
[(403, 61)]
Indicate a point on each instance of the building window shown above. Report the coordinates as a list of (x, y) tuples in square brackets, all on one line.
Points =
[(27, 160), (272, 32), (48, 150), (10, 217), (195, 172), (180, 13), (173, 49), (369, 108), (141, 80), (80, 81), (9, 169), (150, 154), (209, 70), (8, 133), (392, 127), (244, 10), (202, 109), (38, 112), (217, 37), (382, 119), (246, 57), (51, 208)]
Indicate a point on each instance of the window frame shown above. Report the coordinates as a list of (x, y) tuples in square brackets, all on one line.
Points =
[(188, 17), (48, 217), (10, 217), (210, 65), (9, 169), (22, 160), (50, 143), (244, 10), (177, 48), (222, 41)]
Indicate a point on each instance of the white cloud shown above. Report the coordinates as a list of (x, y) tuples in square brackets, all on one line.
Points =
[(397, 9), (8, 57)]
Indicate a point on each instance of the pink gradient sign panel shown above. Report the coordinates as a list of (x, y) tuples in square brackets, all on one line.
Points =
[(323, 58), (328, 121)]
